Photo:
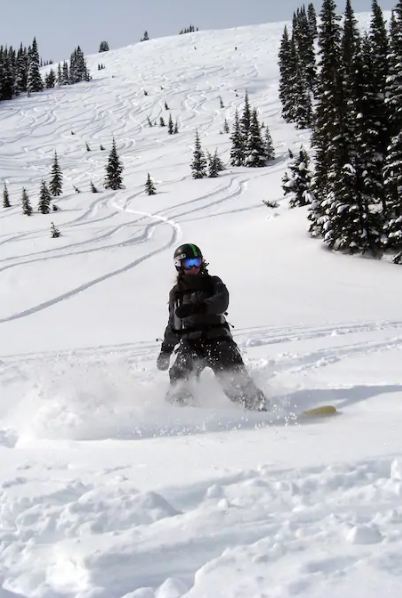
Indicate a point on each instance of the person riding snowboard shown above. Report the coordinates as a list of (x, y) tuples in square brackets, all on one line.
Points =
[(197, 308)]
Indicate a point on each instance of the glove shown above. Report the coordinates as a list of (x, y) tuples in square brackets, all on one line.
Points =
[(163, 361), (188, 309)]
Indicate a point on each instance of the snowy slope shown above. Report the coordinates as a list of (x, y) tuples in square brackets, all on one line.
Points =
[(107, 491)]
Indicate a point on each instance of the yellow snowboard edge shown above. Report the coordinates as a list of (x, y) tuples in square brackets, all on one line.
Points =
[(323, 411)]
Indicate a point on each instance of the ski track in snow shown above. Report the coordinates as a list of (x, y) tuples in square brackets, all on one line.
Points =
[(90, 504)]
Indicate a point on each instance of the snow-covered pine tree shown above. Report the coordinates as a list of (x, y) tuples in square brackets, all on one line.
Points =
[(327, 117), (285, 76), (255, 155), (245, 120), (215, 164), (176, 128), (50, 79), (170, 125), (150, 188), (44, 199), (166, 106), (114, 169), (199, 163), (56, 181), (54, 231), (226, 126), (312, 20), (26, 204), (6, 197), (299, 182), (351, 225), (93, 188), (145, 37), (237, 151), (162, 122), (87, 147), (393, 160), (304, 41), (104, 46), (269, 146), (34, 82), (302, 103)]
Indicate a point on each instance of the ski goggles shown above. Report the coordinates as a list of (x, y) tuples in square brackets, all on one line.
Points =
[(191, 262)]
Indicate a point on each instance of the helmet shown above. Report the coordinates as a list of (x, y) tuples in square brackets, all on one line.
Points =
[(186, 251)]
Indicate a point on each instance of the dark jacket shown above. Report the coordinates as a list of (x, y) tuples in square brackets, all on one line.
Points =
[(211, 323)]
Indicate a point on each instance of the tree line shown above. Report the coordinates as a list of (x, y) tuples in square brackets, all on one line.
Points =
[(20, 71), (354, 106)]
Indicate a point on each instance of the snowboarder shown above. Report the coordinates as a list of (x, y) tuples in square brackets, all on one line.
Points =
[(197, 324)]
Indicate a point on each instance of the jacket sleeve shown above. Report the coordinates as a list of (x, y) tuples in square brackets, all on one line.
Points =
[(171, 336), (218, 302)]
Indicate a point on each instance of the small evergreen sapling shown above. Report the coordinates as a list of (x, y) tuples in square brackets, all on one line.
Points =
[(6, 197), (162, 122), (170, 125), (225, 126), (44, 199), (150, 188), (54, 232), (176, 128), (26, 204), (93, 188), (87, 147)]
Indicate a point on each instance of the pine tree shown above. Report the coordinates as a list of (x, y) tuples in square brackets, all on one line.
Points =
[(269, 146), (176, 128), (87, 147), (215, 165), (312, 20), (6, 197), (255, 149), (93, 188), (304, 41), (221, 104), (299, 183), (149, 121), (104, 46), (44, 199), (226, 126), (237, 152), (56, 182), (145, 37), (170, 125), (166, 106), (199, 163), (35, 82), (50, 79), (150, 188), (245, 120), (114, 169), (162, 122), (328, 115), (285, 76), (54, 232), (26, 204), (392, 171)]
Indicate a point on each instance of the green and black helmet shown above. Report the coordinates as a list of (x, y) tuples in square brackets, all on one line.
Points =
[(187, 256)]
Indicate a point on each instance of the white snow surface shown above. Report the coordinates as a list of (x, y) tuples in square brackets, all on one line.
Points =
[(106, 491)]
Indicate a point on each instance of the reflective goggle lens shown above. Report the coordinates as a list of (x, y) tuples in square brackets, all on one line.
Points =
[(192, 262)]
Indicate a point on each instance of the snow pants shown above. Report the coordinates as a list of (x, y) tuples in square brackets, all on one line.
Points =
[(222, 355)]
